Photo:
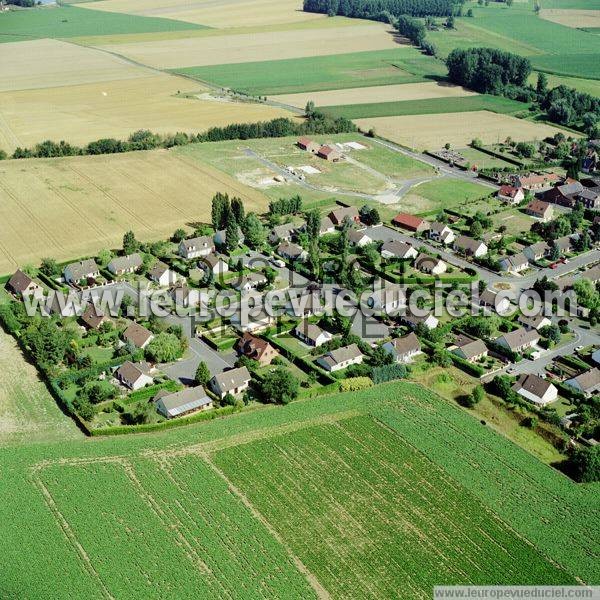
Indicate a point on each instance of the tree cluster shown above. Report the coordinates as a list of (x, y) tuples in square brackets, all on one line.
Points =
[(374, 9)]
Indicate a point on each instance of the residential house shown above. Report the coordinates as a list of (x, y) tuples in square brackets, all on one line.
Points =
[(469, 349), (134, 375), (162, 275), (413, 320), (440, 232), (515, 263), (220, 238), (339, 215), (253, 321), (214, 264), (291, 251), (430, 265), (386, 300), (536, 390), (536, 322), (565, 244), (138, 335), (403, 349), (248, 282), (234, 382), (586, 383), (177, 404), (410, 222), (307, 144), (540, 210), (282, 233), (305, 304), (589, 199), (339, 359), (327, 226), (511, 194), (329, 153), (490, 299), (185, 296), (256, 349), (93, 317), (536, 252), (83, 270), (358, 238), (23, 286), (395, 249), (519, 340), (564, 195), (537, 182), (196, 247), (125, 264), (470, 247), (312, 334)]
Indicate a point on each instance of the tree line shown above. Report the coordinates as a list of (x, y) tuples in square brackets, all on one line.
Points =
[(377, 9), (315, 123)]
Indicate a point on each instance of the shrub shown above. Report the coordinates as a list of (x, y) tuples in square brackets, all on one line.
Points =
[(353, 384)]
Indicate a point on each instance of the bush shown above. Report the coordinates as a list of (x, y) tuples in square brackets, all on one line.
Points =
[(389, 373), (354, 384)]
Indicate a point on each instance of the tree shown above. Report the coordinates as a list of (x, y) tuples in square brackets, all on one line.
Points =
[(542, 84), (280, 386), (50, 268), (104, 257), (47, 342), (561, 111), (450, 22), (586, 464), (313, 224), (237, 208), (551, 332), (381, 357), (139, 415), (232, 235), (178, 235), (476, 230), (441, 358), (525, 149), (202, 376), (220, 210), (470, 12), (310, 108), (130, 244), (254, 232), (165, 347)]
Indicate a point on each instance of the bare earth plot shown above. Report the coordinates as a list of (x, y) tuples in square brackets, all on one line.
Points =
[(217, 13), (82, 113), (28, 413), (379, 93), (249, 47), (432, 131), (73, 206), (572, 18)]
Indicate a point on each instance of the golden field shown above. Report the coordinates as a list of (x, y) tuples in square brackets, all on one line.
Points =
[(70, 207), (379, 93), (572, 17), (83, 113), (430, 132), (218, 13), (249, 47)]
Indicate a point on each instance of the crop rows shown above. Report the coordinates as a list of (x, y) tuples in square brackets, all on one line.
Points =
[(370, 516)]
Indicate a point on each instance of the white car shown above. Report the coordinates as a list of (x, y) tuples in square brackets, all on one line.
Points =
[(578, 348), (278, 262)]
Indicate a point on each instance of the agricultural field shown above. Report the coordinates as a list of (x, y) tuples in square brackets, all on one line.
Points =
[(482, 160), (433, 131), (579, 65), (578, 19), (249, 47), (587, 86), (151, 529), (44, 201), (429, 106), (402, 64), (379, 93)]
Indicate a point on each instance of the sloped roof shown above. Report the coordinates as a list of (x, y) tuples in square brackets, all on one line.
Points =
[(177, 403)]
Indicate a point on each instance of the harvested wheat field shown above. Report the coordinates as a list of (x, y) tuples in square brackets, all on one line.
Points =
[(429, 132), (249, 47), (571, 17), (218, 13), (68, 207), (83, 113), (379, 93), (52, 63)]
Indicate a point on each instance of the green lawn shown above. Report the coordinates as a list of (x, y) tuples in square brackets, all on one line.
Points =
[(71, 21), (98, 354), (428, 106), (393, 164), (358, 69), (482, 160)]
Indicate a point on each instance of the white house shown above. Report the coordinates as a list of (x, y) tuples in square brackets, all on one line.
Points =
[(341, 358), (196, 247), (125, 264), (398, 250), (519, 339), (312, 334), (430, 265), (214, 263), (586, 383), (234, 382), (21, 285), (537, 322), (138, 335), (536, 390), (134, 375), (511, 195), (85, 269), (515, 263), (470, 247), (162, 275), (177, 404), (440, 232), (403, 349), (358, 238)]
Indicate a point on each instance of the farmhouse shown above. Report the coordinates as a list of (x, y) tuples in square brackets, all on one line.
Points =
[(234, 382), (537, 182), (537, 322), (440, 232), (535, 389), (291, 251), (403, 349), (256, 349), (330, 153), (307, 144), (125, 264), (430, 265), (341, 358), (470, 247), (137, 335), (162, 275), (515, 263), (519, 339), (586, 383), (339, 215), (540, 210), (22, 286), (398, 250), (511, 195), (85, 269), (282, 233), (469, 349), (93, 318), (134, 375), (312, 334), (410, 222), (181, 403), (196, 247), (214, 264)]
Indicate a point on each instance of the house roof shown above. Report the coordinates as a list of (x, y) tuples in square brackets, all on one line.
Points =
[(339, 214), (132, 371), (304, 141), (234, 378), (93, 317), (588, 380), (343, 354), (438, 227), (82, 269), (283, 230), (253, 346), (533, 384), (356, 236), (137, 335), (131, 261), (470, 347), (516, 260), (326, 150), (326, 224), (520, 337), (177, 403), (426, 262), (310, 330), (204, 241), (290, 249), (398, 249), (538, 207), (534, 322), (20, 281), (509, 191), (468, 243), (410, 221), (158, 270), (405, 344), (571, 188), (212, 260), (537, 179)]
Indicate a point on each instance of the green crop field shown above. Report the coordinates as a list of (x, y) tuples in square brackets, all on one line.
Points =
[(71, 21), (345, 493), (582, 65), (575, 4), (428, 106), (358, 69)]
